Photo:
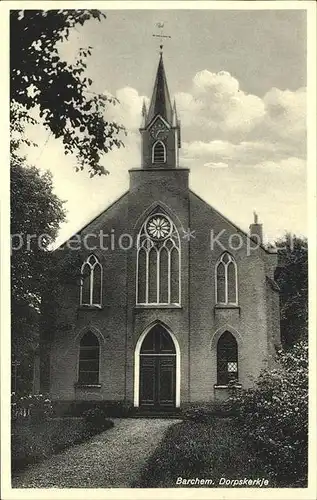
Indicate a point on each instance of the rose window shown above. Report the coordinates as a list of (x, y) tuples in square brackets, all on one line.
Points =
[(158, 278), (158, 227)]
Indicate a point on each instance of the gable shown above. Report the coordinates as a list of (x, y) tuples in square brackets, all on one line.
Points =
[(113, 211), (225, 223), (158, 120)]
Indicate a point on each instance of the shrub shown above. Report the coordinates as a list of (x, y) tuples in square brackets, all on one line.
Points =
[(207, 412), (33, 408), (96, 419), (79, 408), (274, 415), (118, 409)]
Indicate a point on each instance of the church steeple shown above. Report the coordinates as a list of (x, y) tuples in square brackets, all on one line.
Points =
[(160, 129), (161, 101)]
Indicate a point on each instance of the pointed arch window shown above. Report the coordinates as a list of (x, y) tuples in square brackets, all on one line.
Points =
[(226, 280), (227, 359), (158, 152), (88, 373), (158, 277), (91, 282)]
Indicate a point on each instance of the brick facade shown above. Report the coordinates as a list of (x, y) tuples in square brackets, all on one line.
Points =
[(196, 324)]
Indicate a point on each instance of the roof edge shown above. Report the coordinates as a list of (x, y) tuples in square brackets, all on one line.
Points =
[(92, 220), (232, 223)]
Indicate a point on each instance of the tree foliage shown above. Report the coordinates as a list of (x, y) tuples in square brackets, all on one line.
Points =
[(60, 90), (292, 278), (36, 213), (274, 416)]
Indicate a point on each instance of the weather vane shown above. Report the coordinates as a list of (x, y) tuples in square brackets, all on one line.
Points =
[(161, 36)]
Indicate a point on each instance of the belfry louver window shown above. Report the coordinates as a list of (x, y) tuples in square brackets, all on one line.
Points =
[(159, 152)]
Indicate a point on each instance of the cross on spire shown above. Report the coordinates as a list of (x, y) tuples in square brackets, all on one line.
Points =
[(161, 36)]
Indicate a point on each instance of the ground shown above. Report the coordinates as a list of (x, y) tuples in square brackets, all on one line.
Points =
[(215, 451), (112, 459)]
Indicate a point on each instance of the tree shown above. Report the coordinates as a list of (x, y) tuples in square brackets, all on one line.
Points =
[(274, 417), (59, 90), (36, 213), (292, 278), (41, 81)]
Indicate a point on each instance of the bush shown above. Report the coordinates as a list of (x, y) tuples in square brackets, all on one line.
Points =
[(96, 419), (79, 408), (207, 412), (32, 408), (274, 416)]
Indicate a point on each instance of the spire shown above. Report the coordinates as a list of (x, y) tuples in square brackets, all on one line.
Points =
[(160, 136), (176, 124), (175, 119), (160, 102), (144, 111), (144, 114)]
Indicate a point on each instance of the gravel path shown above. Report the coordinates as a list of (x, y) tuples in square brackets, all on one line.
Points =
[(112, 459)]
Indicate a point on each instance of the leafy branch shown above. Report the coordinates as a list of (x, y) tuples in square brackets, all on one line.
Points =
[(59, 90)]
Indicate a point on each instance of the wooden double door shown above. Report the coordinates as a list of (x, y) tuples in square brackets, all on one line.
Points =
[(157, 370)]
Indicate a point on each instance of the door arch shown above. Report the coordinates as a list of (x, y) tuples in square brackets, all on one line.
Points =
[(157, 369)]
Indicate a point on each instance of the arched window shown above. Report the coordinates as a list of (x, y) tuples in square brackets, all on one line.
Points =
[(158, 279), (226, 280), (158, 152), (88, 372), (227, 359), (91, 282)]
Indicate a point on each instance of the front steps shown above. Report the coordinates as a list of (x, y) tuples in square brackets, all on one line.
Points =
[(156, 413)]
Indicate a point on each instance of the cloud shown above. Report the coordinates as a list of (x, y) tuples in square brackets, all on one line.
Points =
[(217, 103), (190, 109), (237, 129), (285, 115), (232, 128), (245, 153), (74, 187), (239, 147), (289, 166), (128, 110), (218, 164), (216, 107)]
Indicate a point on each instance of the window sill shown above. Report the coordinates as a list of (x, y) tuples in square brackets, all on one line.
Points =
[(227, 306), (157, 306), (79, 385), (90, 308), (235, 386)]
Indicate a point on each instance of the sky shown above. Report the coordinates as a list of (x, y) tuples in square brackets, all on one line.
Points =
[(239, 81)]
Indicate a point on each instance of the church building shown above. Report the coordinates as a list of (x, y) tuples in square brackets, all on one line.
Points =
[(173, 301)]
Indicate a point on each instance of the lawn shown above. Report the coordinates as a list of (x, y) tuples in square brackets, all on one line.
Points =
[(32, 443), (203, 450)]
